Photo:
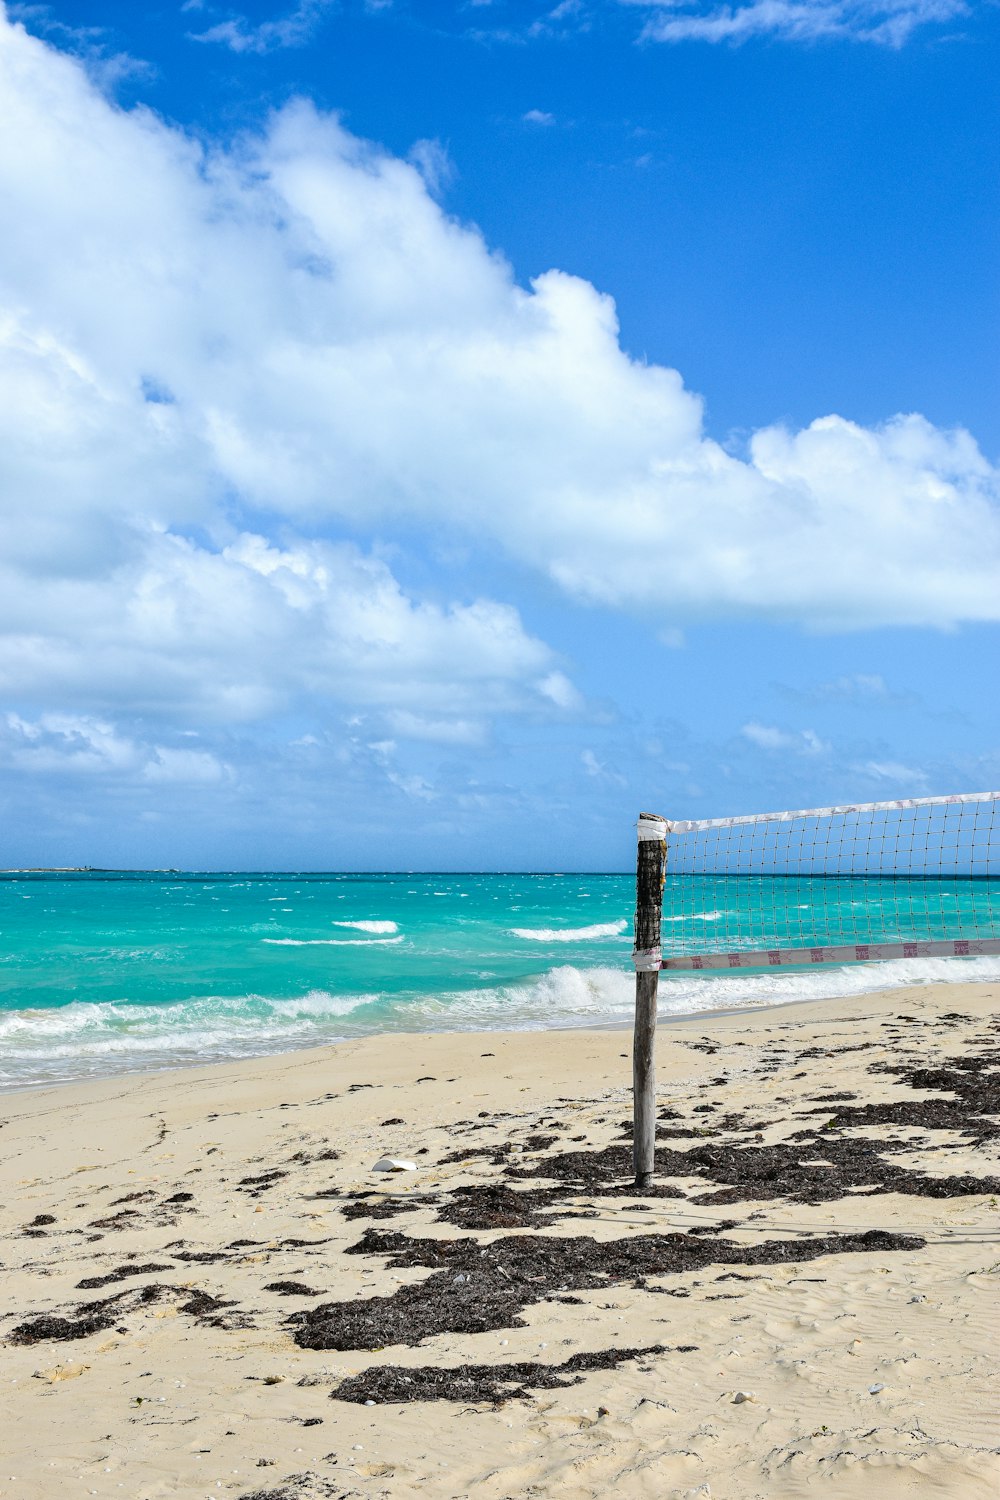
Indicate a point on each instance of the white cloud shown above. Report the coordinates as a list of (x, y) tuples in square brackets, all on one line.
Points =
[(241, 35), (889, 23), (190, 767), (856, 687), (671, 637), (892, 771), (597, 769), (415, 726), (558, 689), (864, 686), (290, 327), (254, 629), (769, 737), (435, 166), (538, 117), (413, 786), (82, 745)]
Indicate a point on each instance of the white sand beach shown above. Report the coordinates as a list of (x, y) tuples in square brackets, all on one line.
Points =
[(158, 1233)]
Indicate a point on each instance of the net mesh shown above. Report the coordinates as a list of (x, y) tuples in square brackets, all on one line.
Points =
[(829, 885)]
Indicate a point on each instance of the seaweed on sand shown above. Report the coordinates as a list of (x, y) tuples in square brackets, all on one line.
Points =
[(973, 1112), (100, 1316), (86, 1318), (789, 1170), (600, 1174), (120, 1273), (479, 1383), (478, 1288)]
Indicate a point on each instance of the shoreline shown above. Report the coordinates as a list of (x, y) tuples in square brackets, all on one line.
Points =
[(210, 1290), (666, 1017)]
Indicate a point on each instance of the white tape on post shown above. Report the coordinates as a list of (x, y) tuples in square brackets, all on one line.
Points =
[(647, 960), (652, 830)]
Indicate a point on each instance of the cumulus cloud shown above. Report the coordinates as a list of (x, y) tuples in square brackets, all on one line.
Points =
[(215, 358), (889, 23), (82, 745), (255, 629)]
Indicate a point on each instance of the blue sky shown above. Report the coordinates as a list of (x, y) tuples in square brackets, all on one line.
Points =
[(432, 432)]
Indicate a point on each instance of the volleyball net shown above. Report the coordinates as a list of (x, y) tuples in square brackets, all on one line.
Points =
[(911, 878)]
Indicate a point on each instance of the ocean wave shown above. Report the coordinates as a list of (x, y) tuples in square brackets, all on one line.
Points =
[(331, 942), (94, 1039), (686, 994), (565, 996), (369, 926), (570, 934)]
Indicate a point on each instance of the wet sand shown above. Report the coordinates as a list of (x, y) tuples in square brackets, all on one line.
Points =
[(207, 1290)]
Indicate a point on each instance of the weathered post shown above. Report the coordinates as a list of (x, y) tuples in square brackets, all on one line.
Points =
[(649, 879)]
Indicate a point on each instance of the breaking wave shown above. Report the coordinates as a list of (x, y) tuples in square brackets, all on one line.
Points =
[(331, 942), (570, 934), (369, 926), (96, 1039)]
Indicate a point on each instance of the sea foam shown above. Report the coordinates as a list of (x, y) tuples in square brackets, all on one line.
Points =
[(369, 926), (88, 1039), (330, 942), (570, 934)]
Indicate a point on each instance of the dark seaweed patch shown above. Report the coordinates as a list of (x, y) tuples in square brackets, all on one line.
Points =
[(300, 1487), (539, 1142), (291, 1289), (496, 1154), (98, 1317), (51, 1326), (87, 1318), (123, 1219), (478, 1288), (606, 1174), (283, 1493), (212, 1310), (681, 1132), (496, 1206), (973, 1081), (739, 1173), (479, 1383), (120, 1273), (254, 1186), (758, 1172), (375, 1206)]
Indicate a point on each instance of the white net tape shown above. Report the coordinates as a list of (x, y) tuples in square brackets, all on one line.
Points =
[(899, 804), (913, 877)]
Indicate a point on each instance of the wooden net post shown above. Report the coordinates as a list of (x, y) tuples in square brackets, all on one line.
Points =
[(650, 875)]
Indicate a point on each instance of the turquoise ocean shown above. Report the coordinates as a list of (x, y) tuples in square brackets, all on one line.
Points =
[(106, 972)]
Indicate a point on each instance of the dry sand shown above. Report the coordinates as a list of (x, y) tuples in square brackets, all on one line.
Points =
[(838, 1366)]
